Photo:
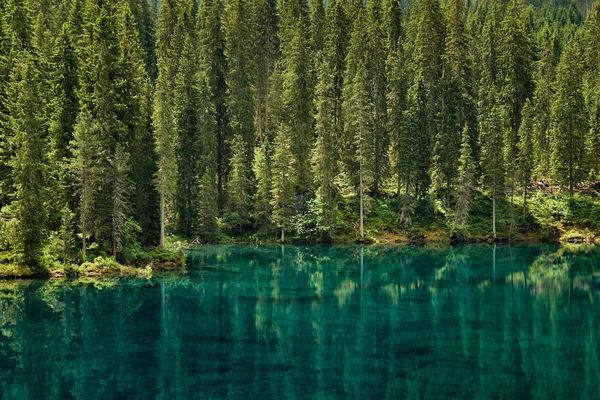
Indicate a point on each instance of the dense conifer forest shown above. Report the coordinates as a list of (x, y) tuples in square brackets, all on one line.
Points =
[(124, 123)]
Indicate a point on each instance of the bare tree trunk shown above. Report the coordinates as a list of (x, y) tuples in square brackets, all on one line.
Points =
[(362, 231), (282, 234), (494, 209), (83, 241), (162, 218)]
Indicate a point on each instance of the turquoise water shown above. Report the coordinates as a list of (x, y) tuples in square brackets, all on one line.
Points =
[(474, 322)]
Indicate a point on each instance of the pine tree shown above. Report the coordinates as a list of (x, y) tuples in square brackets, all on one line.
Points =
[(492, 156), (64, 107), (207, 166), (466, 179), (376, 58), (359, 116), (238, 185), (526, 156), (426, 46), (84, 167), (241, 75), (455, 101), (99, 47), (297, 96), (136, 114), (185, 113), (515, 86), (262, 167), (282, 192), (29, 160), (397, 77), (591, 32), (119, 169), (324, 157), (569, 123), (211, 43), (542, 102), (266, 51), (162, 117)]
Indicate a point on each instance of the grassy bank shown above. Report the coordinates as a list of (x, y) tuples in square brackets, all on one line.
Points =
[(143, 265), (546, 217)]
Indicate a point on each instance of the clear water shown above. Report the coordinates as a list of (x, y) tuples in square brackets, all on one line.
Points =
[(475, 322)]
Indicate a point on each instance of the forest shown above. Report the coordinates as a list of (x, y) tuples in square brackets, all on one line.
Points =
[(125, 124)]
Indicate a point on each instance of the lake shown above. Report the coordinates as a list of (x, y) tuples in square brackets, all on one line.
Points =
[(315, 322)]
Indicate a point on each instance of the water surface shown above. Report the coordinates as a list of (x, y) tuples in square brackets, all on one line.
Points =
[(474, 322)]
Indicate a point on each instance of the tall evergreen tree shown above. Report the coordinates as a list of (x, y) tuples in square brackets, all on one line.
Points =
[(64, 108), (515, 85), (136, 115), (29, 161), (167, 50), (376, 58), (282, 192), (466, 179), (591, 33), (526, 156), (84, 167), (297, 96), (397, 81), (241, 71), (569, 123), (263, 172), (266, 52), (238, 185), (99, 46), (542, 102), (207, 163), (359, 116), (185, 112), (211, 42)]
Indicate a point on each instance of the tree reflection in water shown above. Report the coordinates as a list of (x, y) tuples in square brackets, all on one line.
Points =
[(473, 322)]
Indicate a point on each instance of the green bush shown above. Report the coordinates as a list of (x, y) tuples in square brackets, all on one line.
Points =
[(131, 245)]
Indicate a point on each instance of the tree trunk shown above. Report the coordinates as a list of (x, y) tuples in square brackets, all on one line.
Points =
[(494, 210), (83, 241), (362, 232), (282, 234), (162, 218)]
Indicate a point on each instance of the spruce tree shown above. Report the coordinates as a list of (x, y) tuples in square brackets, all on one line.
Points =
[(542, 102), (397, 77), (64, 109), (591, 79), (262, 167), (136, 114), (466, 179), (569, 123), (526, 155), (207, 167), (211, 43), (492, 155), (84, 167), (324, 157), (359, 117), (29, 160), (376, 58), (238, 185), (515, 85), (99, 47), (241, 74), (297, 95), (266, 51), (162, 116), (185, 113), (282, 192)]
